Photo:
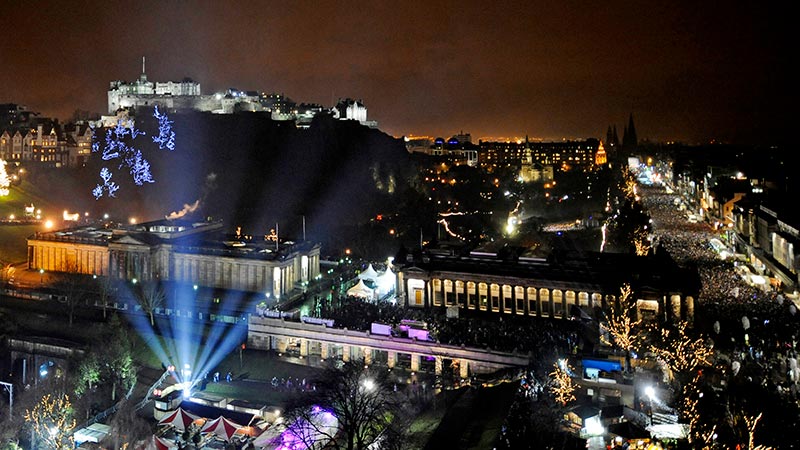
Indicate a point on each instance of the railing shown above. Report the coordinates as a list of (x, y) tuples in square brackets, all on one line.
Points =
[(158, 382), (113, 409)]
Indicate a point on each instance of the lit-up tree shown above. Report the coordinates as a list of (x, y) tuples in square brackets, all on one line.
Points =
[(679, 353), (119, 368), (690, 411), (5, 181), (744, 427), (625, 330), (88, 374), (641, 242), (52, 423), (561, 384)]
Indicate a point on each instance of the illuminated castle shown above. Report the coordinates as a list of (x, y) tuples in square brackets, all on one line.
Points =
[(186, 95)]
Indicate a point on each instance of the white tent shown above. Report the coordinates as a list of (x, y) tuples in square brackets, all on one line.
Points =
[(361, 290), (94, 433), (370, 274), (386, 282)]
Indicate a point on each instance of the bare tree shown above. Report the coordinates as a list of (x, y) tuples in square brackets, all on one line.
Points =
[(150, 297), (127, 428), (363, 404), (106, 289), (73, 285)]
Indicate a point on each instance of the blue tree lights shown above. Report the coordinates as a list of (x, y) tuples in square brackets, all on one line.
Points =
[(118, 145), (166, 137), (108, 186)]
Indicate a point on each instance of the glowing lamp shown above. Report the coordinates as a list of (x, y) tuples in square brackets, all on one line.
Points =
[(650, 392)]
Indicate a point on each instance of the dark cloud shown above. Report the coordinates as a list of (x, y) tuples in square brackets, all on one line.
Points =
[(691, 71)]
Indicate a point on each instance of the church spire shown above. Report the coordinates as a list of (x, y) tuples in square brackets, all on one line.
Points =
[(629, 139)]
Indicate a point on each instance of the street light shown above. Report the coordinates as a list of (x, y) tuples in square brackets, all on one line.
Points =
[(650, 392), (41, 277)]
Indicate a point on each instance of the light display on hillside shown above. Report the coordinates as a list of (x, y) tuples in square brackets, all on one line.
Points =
[(166, 137), (108, 186), (117, 144)]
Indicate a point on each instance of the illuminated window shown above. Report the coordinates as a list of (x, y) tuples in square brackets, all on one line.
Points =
[(483, 296), (471, 295)]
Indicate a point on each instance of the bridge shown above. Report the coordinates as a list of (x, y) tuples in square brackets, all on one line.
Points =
[(309, 339)]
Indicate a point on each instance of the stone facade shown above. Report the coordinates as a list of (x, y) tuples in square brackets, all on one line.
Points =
[(177, 251)]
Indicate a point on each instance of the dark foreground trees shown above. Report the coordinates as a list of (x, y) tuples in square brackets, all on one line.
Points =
[(361, 400)]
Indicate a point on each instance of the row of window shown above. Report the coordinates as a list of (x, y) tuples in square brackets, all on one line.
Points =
[(517, 299)]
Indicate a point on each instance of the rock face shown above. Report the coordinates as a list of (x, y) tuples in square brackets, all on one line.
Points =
[(252, 171)]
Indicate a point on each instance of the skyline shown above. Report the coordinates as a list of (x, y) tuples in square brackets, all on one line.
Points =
[(686, 72)]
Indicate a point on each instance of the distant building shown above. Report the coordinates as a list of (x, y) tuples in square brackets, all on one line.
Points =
[(187, 95), (562, 155), (36, 140), (629, 138), (349, 109), (600, 157), (179, 251)]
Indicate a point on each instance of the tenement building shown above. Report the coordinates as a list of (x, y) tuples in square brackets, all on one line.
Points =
[(179, 251), (556, 287)]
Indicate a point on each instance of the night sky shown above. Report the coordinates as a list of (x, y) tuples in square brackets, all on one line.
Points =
[(688, 71)]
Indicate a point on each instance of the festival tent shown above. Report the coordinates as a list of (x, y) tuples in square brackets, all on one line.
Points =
[(386, 282), (361, 290), (221, 427), (370, 274), (180, 419)]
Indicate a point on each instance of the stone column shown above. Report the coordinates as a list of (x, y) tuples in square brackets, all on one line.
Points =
[(345, 353), (391, 359), (438, 364), (281, 344), (367, 352), (463, 366), (324, 350), (415, 362), (303, 347)]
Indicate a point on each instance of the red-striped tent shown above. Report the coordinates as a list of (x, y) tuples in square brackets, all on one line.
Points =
[(179, 419), (221, 427)]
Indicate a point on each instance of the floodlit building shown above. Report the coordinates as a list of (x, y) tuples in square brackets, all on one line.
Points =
[(489, 283), (179, 251)]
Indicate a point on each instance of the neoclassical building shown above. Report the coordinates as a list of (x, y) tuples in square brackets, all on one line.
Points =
[(557, 288), (180, 251)]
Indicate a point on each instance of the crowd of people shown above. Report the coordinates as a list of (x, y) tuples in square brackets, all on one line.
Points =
[(508, 334), (753, 327)]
